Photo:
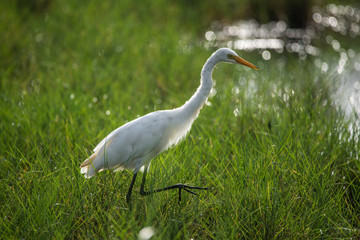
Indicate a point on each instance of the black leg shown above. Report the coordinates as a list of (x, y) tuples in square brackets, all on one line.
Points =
[(179, 186), (128, 195)]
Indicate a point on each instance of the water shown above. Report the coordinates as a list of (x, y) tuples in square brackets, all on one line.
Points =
[(334, 30), (249, 35)]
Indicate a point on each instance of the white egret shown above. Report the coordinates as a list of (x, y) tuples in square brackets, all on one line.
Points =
[(136, 143)]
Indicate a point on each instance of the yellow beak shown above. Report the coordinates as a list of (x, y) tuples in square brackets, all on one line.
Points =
[(243, 62)]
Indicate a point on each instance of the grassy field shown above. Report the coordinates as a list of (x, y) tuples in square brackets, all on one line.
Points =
[(272, 146)]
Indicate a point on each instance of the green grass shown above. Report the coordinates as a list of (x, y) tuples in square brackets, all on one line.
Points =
[(272, 146)]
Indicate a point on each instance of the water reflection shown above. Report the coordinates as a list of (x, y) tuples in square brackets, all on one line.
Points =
[(341, 19), (324, 35), (250, 35), (347, 95)]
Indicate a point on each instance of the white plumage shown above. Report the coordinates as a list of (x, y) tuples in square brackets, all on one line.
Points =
[(137, 142)]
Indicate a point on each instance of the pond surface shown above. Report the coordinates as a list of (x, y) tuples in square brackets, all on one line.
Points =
[(331, 40)]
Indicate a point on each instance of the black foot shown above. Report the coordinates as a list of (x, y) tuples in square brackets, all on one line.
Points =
[(179, 186), (186, 188)]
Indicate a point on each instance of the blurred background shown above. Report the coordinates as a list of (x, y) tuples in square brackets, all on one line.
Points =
[(50, 37), (296, 14)]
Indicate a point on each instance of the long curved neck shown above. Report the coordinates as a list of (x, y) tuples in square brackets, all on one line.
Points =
[(192, 107)]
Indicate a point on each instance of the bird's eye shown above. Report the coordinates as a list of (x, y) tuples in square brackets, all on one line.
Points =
[(230, 56)]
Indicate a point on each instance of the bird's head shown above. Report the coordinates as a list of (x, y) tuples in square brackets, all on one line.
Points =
[(228, 55)]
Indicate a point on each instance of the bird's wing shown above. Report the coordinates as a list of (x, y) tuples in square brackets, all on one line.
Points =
[(135, 143), (106, 139), (132, 128), (143, 134)]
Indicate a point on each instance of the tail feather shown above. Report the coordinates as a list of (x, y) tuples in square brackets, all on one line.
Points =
[(92, 165), (87, 167), (89, 160)]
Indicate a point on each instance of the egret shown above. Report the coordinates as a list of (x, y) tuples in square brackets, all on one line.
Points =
[(136, 143)]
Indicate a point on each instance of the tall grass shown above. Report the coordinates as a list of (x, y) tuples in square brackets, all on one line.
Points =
[(272, 146)]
